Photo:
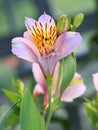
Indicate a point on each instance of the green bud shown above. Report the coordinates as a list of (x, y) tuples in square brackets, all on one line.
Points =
[(63, 23), (20, 87), (78, 19)]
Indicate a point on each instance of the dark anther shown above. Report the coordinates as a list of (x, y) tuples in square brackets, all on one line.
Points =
[(42, 37), (46, 39), (43, 44)]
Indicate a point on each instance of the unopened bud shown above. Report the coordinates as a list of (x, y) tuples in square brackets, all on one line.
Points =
[(63, 23), (78, 19)]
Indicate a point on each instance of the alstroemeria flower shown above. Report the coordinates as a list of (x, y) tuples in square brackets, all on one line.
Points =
[(75, 89), (41, 44), (95, 80)]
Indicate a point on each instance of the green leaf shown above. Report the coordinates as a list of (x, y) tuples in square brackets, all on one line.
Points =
[(5, 116), (30, 118), (68, 71), (78, 19), (56, 103), (14, 97), (92, 115)]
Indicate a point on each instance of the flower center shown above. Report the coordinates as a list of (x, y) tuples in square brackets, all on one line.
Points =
[(44, 36)]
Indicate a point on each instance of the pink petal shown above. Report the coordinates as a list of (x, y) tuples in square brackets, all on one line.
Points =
[(55, 77), (76, 89), (66, 43), (45, 18), (27, 36), (48, 64), (95, 80), (38, 75), (30, 22), (26, 42), (38, 90), (23, 51)]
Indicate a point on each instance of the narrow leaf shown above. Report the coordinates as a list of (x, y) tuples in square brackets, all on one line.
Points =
[(92, 115), (69, 69), (14, 97), (5, 116), (30, 118)]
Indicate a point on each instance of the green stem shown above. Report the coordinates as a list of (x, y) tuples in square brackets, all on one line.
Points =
[(49, 110), (49, 118)]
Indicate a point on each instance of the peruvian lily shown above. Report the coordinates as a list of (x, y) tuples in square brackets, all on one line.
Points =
[(95, 80), (41, 44), (75, 89)]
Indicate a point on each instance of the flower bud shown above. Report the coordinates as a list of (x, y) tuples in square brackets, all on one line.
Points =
[(63, 23), (78, 19)]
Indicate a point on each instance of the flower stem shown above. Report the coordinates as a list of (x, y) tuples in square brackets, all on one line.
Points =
[(49, 110), (49, 118)]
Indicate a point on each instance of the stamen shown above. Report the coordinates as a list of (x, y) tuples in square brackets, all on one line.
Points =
[(44, 36)]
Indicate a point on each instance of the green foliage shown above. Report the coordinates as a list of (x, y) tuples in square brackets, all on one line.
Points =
[(5, 116), (69, 69), (92, 115), (78, 19), (56, 103), (14, 97), (30, 118)]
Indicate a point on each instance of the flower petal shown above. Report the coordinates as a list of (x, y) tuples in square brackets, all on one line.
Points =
[(38, 90), (45, 18), (30, 22), (48, 64), (23, 51), (66, 43), (55, 77), (27, 36), (76, 89), (26, 42), (95, 80), (38, 75)]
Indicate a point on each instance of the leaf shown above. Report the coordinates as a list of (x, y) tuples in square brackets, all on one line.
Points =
[(30, 118), (14, 97), (92, 115), (5, 116), (68, 71), (56, 103)]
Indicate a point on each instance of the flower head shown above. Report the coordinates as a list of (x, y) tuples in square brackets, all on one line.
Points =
[(75, 89), (95, 80), (41, 44)]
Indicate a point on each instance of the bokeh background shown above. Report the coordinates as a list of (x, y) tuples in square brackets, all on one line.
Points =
[(12, 13)]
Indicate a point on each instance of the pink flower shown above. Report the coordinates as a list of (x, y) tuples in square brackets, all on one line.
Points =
[(95, 80), (40, 43), (75, 89)]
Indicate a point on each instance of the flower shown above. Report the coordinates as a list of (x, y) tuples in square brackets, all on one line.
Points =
[(41, 44), (75, 89), (95, 80)]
